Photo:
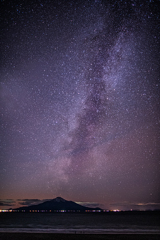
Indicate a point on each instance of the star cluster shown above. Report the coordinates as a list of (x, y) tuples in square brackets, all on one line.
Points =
[(80, 101)]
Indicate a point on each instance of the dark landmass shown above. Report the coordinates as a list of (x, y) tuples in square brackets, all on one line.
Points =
[(57, 204)]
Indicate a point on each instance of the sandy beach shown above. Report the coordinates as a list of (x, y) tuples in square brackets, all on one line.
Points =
[(49, 236)]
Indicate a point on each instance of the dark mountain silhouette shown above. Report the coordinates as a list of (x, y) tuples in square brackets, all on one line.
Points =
[(57, 204)]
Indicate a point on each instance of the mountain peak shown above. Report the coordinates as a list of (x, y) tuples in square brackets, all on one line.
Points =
[(59, 199)]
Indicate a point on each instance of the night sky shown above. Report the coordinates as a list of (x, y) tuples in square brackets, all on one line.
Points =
[(79, 103)]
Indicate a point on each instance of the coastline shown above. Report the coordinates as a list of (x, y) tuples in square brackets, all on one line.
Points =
[(79, 231), (63, 236)]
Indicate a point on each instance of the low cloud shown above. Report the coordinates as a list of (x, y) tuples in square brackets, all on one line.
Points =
[(28, 202), (148, 204), (7, 202), (91, 204), (136, 205)]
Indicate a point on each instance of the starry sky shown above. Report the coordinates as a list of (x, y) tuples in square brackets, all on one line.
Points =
[(79, 103)]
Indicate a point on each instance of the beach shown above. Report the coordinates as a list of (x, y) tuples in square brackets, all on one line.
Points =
[(80, 226), (53, 236)]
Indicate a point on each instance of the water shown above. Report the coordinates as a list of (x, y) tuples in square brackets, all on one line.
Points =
[(81, 222)]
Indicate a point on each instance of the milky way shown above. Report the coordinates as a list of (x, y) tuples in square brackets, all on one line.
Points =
[(80, 102)]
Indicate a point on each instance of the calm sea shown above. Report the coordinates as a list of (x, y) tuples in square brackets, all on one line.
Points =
[(142, 222)]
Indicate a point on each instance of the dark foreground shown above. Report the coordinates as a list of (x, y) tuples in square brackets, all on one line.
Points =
[(53, 236)]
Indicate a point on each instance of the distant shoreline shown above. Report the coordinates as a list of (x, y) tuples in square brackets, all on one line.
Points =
[(12, 211), (79, 231)]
